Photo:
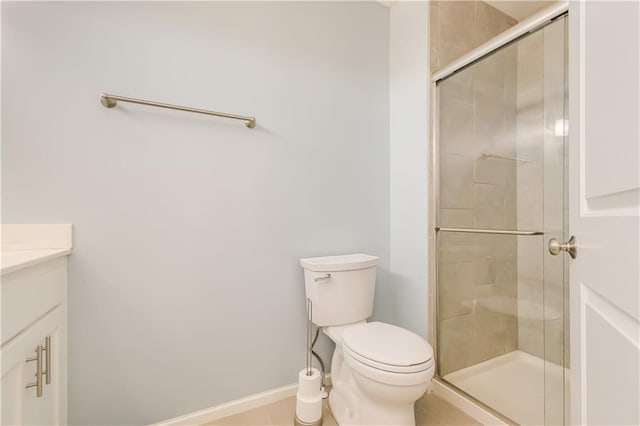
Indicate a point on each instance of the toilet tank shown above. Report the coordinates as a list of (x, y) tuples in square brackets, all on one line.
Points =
[(341, 288)]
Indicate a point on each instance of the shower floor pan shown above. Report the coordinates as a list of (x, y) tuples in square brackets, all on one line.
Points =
[(514, 385)]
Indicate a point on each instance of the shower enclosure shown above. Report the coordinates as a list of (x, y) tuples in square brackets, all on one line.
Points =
[(501, 176)]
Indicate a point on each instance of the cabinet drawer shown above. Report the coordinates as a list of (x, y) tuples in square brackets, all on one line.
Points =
[(29, 293)]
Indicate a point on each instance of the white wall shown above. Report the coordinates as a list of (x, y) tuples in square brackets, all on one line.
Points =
[(184, 286), (409, 163)]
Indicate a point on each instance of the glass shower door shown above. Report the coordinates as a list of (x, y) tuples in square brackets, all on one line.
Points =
[(501, 176)]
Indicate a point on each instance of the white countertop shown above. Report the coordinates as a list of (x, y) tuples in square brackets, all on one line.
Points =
[(13, 260), (30, 244)]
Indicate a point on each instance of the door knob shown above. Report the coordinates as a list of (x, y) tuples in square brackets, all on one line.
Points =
[(555, 247)]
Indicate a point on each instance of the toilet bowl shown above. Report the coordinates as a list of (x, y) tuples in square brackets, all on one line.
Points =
[(378, 370)]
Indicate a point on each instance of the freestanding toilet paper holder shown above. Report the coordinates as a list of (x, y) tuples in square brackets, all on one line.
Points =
[(310, 385)]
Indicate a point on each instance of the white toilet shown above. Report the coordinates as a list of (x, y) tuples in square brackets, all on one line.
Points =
[(378, 370)]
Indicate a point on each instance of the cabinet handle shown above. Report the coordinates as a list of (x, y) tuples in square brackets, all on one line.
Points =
[(38, 361), (47, 360)]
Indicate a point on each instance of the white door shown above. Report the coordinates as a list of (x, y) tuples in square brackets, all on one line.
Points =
[(604, 203)]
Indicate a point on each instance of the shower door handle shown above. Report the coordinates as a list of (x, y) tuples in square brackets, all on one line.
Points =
[(555, 247)]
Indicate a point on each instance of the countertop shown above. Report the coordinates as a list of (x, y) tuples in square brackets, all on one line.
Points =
[(13, 260), (29, 244)]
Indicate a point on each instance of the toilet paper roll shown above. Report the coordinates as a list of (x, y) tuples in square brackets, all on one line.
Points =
[(309, 386), (309, 410)]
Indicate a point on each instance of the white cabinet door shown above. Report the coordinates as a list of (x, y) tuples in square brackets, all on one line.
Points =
[(605, 199), (21, 406)]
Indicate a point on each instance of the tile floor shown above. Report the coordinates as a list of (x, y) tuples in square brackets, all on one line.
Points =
[(430, 410)]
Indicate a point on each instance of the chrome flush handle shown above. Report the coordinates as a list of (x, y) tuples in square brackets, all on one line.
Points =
[(322, 278), (555, 247)]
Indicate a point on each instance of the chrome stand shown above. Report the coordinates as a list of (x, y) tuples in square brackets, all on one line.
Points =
[(310, 342)]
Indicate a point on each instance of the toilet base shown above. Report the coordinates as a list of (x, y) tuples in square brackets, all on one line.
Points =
[(298, 422), (349, 409), (358, 400)]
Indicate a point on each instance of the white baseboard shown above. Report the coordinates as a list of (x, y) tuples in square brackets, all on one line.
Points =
[(232, 407), (235, 407), (465, 405)]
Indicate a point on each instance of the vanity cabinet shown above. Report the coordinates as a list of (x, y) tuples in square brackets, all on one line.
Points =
[(33, 347)]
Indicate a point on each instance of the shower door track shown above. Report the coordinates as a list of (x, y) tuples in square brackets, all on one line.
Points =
[(444, 382), (488, 231)]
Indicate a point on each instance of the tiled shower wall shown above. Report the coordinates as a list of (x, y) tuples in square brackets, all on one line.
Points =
[(477, 273), (457, 27)]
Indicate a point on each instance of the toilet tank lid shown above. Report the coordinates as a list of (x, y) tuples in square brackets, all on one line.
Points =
[(348, 262)]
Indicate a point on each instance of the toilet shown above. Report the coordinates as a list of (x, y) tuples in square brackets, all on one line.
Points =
[(378, 370)]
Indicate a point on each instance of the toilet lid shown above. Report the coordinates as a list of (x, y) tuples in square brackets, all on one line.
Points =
[(387, 347)]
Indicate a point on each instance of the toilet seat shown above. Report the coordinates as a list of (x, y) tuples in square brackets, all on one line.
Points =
[(387, 348), (388, 377)]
